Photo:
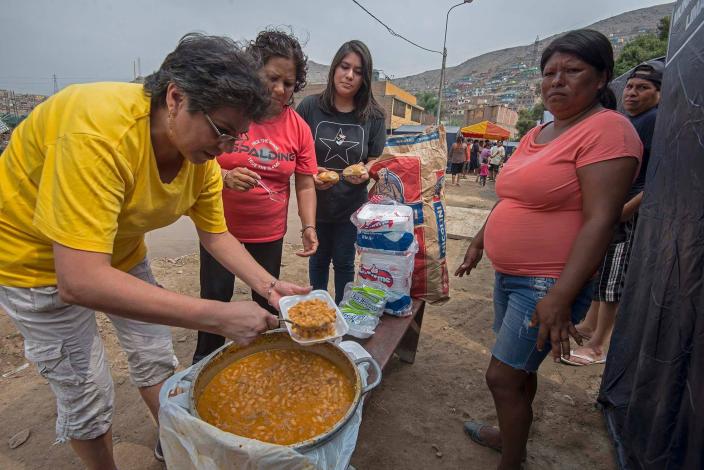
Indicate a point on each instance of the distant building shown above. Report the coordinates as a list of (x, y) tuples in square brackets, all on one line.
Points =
[(18, 104), (499, 114), (400, 107), (527, 101)]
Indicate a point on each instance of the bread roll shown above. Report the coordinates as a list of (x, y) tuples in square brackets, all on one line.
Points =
[(328, 177), (357, 169)]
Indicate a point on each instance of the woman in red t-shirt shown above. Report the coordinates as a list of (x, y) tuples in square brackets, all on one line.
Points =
[(560, 196), (257, 176)]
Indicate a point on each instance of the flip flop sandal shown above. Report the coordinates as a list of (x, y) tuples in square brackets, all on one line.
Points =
[(589, 360), (473, 430)]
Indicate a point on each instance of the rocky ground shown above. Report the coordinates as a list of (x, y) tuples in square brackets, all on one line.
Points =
[(412, 421)]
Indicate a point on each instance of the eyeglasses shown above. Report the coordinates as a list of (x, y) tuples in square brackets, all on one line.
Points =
[(225, 140)]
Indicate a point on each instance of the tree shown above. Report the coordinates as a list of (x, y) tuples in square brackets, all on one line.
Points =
[(644, 47), (528, 117), (429, 101), (664, 28), (456, 121), (12, 120)]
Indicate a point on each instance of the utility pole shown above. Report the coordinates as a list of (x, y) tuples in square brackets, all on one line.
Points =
[(444, 58), (56, 84), (13, 104)]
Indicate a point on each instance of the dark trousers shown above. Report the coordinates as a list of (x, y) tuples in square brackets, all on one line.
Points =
[(217, 283), (336, 244)]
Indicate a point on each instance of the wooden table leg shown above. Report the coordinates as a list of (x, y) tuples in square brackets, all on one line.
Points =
[(409, 343)]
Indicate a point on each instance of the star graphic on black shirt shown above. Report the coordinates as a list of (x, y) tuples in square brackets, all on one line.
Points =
[(337, 145)]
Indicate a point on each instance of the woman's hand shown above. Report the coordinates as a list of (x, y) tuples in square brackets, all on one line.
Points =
[(471, 260), (319, 184), (240, 179), (553, 314), (282, 289), (359, 179), (242, 322), (310, 242)]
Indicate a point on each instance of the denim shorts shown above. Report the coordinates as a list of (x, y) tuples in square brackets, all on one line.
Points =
[(63, 341), (515, 298)]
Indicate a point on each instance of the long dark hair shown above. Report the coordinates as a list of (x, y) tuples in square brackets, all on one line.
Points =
[(213, 71), (593, 48), (277, 43), (365, 105)]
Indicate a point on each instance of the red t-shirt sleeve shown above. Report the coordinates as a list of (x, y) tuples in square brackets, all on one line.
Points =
[(608, 136), (306, 162)]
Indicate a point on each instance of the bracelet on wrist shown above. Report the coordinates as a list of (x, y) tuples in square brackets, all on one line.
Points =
[(270, 290), (306, 227)]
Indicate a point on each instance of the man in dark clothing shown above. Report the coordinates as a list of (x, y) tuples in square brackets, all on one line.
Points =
[(640, 100)]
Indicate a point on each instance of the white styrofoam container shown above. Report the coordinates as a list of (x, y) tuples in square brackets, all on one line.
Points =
[(384, 218), (341, 328)]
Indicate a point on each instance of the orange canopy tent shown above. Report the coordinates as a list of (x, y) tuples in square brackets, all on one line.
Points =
[(485, 130)]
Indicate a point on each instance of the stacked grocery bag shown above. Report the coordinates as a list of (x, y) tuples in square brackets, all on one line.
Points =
[(387, 247)]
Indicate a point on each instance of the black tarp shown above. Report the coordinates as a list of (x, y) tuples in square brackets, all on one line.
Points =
[(652, 391)]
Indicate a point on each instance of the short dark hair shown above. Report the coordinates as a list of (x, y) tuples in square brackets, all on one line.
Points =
[(213, 72), (278, 43), (365, 105), (593, 48)]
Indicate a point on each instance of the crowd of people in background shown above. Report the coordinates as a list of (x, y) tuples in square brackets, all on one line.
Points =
[(482, 159)]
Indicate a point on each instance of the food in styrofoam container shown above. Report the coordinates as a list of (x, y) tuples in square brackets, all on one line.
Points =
[(340, 326)]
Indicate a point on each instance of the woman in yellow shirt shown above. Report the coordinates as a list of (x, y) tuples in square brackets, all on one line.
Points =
[(85, 176)]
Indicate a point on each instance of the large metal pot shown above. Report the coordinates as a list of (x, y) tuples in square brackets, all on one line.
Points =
[(281, 340)]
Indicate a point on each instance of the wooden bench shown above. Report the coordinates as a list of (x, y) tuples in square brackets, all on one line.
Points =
[(396, 334)]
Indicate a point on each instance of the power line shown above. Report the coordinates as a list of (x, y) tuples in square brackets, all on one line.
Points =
[(392, 32)]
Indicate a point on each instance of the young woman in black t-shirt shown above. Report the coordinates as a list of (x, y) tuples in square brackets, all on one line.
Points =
[(348, 127)]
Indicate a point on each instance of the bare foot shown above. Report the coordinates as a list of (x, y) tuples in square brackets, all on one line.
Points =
[(585, 332)]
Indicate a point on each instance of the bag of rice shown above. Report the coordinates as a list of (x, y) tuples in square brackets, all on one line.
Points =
[(412, 171)]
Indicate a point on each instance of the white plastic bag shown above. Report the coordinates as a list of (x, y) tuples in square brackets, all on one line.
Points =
[(384, 226), (391, 271), (361, 306), (190, 443)]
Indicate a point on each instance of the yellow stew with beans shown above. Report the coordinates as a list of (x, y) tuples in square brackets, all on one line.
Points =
[(278, 396)]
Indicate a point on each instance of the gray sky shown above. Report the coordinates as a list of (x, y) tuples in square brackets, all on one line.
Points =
[(91, 40)]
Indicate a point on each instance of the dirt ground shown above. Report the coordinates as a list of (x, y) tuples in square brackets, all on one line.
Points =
[(415, 409)]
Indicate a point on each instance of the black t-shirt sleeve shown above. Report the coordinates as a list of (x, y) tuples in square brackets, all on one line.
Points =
[(377, 137), (304, 108)]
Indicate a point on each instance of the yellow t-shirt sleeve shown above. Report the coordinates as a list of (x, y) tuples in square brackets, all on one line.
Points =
[(207, 212), (80, 193)]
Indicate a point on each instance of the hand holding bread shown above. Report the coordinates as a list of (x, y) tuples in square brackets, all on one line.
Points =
[(356, 174)]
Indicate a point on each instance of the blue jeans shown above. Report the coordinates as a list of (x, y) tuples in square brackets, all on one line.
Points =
[(336, 244), (515, 298)]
